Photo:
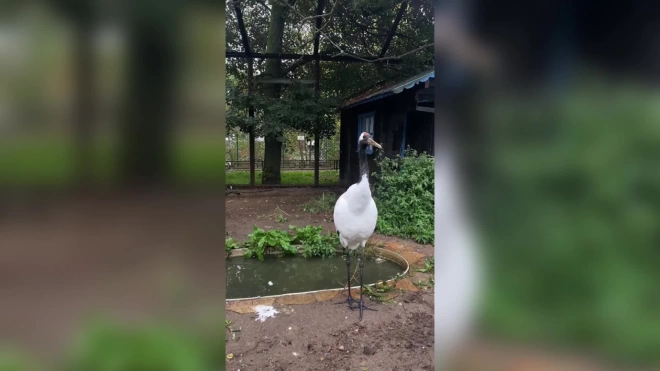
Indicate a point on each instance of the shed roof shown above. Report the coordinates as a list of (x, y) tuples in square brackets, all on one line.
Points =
[(387, 90)]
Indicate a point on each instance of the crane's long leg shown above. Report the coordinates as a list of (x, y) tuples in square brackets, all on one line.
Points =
[(350, 299), (361, 305)]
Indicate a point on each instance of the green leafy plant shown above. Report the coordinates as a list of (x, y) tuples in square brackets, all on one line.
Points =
[(379, 290), (260, 241), (314, 242), (424, 284), (281, 219), (404, 196), (429, 266), (230, 244)]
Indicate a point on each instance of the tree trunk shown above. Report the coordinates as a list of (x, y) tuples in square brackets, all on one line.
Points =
[(273, 151), (84, 100), (147, 129), (272, 161)]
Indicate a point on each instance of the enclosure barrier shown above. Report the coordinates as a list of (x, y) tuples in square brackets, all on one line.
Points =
[(286, 165)]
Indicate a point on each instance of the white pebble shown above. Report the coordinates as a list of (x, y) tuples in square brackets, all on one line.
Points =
[(289, 328), (270, 283)]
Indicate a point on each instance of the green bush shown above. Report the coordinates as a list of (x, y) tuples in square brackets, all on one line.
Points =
[(15, 360), (570, 204), (404, 196), (260, 241), (109, 347), (314, 243), (310, 238)]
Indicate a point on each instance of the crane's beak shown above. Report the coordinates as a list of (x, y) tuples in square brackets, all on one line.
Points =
[(373, 143)]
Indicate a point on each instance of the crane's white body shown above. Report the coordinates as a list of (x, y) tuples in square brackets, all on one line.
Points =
[(356, 215)]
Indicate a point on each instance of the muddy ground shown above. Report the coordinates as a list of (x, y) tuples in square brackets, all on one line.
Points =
[(328, 336), (263, 208)]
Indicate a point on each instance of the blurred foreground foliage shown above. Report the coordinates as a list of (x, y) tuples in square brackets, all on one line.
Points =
[(570, 197), (110, 346), (107, 346)]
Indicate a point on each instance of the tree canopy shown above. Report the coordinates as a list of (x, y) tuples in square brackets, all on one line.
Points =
[(355, 29), (358, 27)]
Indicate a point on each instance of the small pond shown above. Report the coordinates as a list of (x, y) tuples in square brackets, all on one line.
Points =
[(247, 278)]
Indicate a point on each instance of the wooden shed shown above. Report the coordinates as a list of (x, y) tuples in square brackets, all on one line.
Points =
[(398, 116)]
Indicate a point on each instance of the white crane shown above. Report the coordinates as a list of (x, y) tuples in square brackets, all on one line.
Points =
[(355, 216)]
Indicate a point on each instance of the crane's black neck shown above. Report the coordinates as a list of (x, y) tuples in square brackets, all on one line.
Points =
[(364, 164)]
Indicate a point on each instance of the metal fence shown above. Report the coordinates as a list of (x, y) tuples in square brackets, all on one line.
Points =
[(286, 165)]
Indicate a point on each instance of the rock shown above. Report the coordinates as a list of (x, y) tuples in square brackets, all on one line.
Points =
[(369, 351), (341, 347)]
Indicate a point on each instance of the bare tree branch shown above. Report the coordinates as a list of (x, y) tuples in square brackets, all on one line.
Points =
[(263, 3), (384, 58), (329, 14), (297, 63)]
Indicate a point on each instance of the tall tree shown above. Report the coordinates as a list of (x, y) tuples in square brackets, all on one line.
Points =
[(152, 63), (273, 152), (80, 14)]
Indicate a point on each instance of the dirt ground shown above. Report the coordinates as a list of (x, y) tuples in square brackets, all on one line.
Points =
[(262, 208), (328, 336)]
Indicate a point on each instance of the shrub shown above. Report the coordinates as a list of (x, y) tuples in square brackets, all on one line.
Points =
[(571, 215), (314, 242), (17, 360), (260, 241), (109, 347), (404, 196), (310, 238)]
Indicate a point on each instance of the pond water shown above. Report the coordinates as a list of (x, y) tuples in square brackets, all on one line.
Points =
[(248, 278)]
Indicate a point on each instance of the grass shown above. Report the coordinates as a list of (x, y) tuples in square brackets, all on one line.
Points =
[(197, 160), (326, 177)]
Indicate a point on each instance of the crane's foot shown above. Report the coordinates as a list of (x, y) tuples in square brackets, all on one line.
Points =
[(363, 307), (349, 300)]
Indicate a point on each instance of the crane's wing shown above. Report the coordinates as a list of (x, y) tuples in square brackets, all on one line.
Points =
[(340, 214)]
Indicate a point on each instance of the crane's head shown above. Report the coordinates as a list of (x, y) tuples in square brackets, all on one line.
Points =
[(365, 140)]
